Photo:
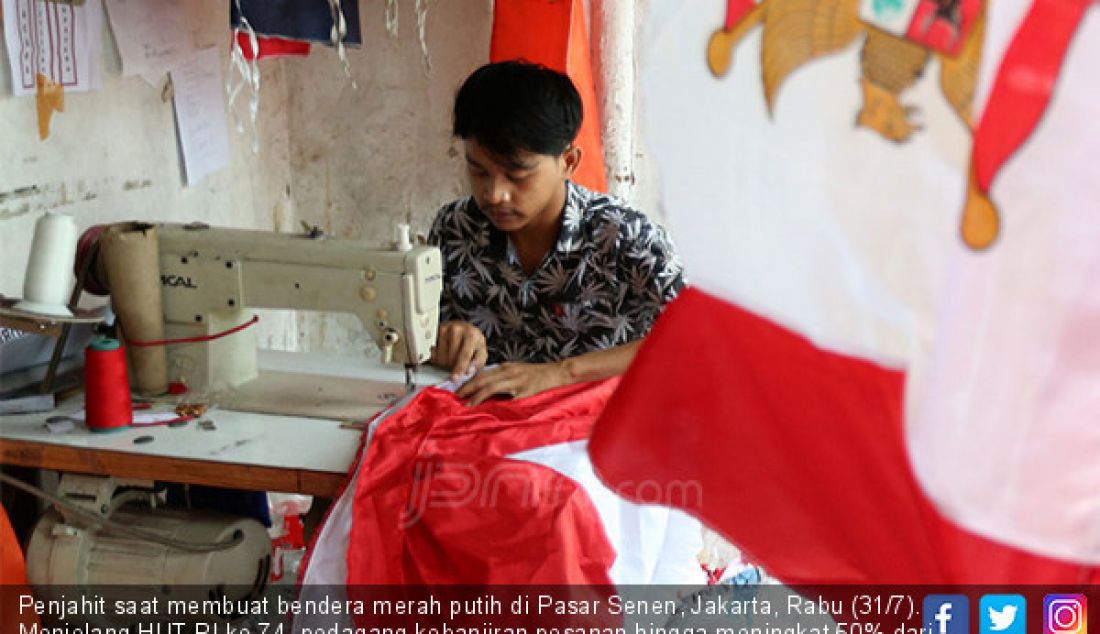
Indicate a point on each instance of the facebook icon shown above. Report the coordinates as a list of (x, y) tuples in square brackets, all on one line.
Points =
[(946, 614)]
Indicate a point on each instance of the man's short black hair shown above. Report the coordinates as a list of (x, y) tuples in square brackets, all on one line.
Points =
[(516, 106)]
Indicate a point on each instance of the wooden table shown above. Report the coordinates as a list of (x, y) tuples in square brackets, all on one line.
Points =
[(261, 452), (246, 451)]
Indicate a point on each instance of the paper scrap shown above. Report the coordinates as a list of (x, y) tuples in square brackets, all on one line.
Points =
[(61, 425), (200, 114), (49, 99), (27, 404), (151, 36), (144, 419), (61, 41)]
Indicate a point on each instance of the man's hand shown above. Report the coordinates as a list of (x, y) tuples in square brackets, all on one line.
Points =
[(515, 380), (460, 348)]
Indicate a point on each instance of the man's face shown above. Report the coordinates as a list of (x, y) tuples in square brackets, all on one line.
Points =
[(518, 191)]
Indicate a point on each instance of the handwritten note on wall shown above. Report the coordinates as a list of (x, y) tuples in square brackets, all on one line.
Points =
[(152, 36), (200, 114)]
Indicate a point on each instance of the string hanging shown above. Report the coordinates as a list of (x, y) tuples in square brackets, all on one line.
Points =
[(391, 17), (247, 74), (338, 33), (421, 28)]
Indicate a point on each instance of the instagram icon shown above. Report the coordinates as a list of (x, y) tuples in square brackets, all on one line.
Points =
[(1065, 614)]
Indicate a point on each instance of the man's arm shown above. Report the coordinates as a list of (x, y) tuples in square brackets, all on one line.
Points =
[(524, 379), (600, 364)]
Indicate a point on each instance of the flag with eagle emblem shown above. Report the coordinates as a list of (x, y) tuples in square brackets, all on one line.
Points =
[(889, 211)]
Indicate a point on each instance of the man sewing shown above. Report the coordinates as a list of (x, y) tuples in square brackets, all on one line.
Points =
[(555, 283)]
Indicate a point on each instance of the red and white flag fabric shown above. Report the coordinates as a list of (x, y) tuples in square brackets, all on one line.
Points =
[(502, 494), (13, 582), (888, 369), (441, 502)]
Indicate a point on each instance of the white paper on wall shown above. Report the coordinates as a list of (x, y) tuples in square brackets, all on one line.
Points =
[(152, 36), (60, 41), (200, 114)]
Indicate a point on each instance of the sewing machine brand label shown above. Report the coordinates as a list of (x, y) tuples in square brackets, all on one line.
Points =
[(176, 281)]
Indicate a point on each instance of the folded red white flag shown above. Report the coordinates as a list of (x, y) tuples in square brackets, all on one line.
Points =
[(500, 494)]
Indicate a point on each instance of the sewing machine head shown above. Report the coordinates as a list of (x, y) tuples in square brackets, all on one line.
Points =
[(212, 278)]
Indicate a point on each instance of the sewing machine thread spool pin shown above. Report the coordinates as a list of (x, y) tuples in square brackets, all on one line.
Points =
[(404, 238), (390, 338)]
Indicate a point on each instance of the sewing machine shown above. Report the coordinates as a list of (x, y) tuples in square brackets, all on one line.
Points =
[(210, 282), (212, 278)]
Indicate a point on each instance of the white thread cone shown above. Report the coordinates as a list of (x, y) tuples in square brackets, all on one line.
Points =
[(49, 278)]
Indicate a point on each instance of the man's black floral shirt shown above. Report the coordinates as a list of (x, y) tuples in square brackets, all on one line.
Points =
[(603, 284)]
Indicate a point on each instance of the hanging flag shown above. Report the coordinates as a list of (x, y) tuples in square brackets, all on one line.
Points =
[(286, 27), (270, 47), (554, 33), (902, 406), (301, 20), (1020, 95)]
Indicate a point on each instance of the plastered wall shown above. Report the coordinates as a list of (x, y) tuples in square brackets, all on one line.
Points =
[(353, 161), (363, 159), (112, 155)]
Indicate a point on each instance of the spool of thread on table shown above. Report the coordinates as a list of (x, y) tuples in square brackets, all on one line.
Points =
[(49, 278), (106, 386)]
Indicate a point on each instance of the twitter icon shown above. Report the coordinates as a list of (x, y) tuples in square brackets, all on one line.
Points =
[(1002, 614)]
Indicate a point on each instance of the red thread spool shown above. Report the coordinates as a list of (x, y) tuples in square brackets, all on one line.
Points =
[(106, 386)]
